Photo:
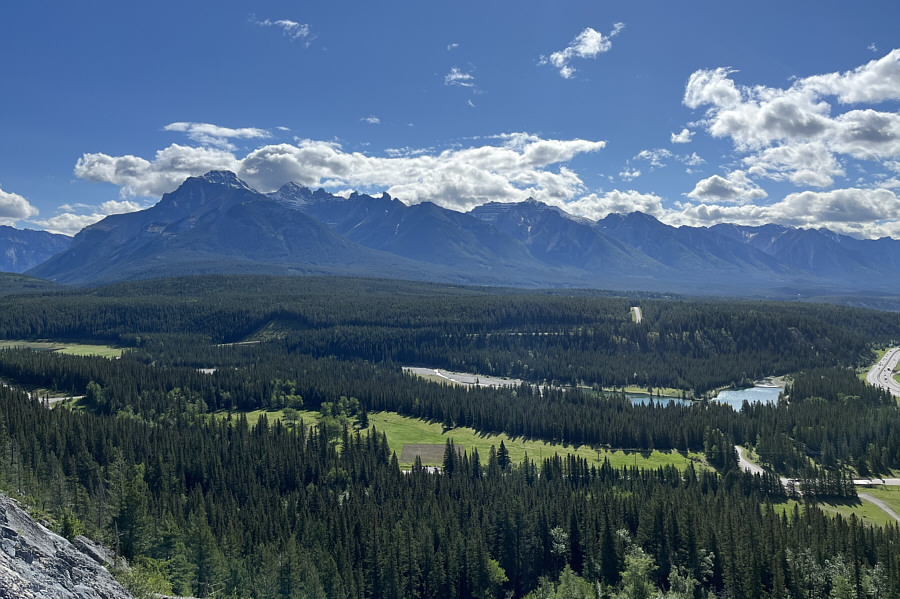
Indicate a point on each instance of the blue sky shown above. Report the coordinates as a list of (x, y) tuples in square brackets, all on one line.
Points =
[(695, 112)]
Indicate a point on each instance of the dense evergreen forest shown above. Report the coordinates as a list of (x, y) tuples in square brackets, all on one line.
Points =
[(214, 507), (541, 337)]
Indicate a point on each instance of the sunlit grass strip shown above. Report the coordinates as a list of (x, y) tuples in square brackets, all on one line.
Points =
[(64, 347), (401, 430)]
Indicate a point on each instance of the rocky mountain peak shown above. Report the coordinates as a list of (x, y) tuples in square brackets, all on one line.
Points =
[(226, 178)]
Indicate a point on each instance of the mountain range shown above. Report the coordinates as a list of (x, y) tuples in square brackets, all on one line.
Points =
[(23, 249), (218, 224)]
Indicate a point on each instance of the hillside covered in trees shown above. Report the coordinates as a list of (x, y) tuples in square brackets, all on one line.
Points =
[(160, 462)]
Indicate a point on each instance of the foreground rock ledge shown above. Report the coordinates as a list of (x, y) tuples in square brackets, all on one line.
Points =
[(37, 563)]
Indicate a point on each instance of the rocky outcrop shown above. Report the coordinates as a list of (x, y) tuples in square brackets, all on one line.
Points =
[(37, 563)]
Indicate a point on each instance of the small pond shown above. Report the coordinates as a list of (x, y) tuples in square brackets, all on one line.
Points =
[(732, 397), (736, 397)]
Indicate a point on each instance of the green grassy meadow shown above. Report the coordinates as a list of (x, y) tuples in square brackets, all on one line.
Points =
[(866, 511), (401, 430), (65, 347)]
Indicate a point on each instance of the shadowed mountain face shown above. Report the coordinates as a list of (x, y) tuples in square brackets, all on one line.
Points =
[(213, 224), (425, 232), (217, 224), (24, 249)]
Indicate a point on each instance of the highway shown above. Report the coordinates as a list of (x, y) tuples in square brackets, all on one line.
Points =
[(882, 374)]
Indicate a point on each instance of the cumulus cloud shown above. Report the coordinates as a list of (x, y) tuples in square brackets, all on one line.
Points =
[(452, 47), (798, 133), (291, 29), (214, 135), (852, 211), (683, 137), (874, 82), (518, 166), (72, 218), (596, 206), (137, 176), (457, 77), (371, 120), (735, 187), (587, 44), (14, 207), (801, 163)]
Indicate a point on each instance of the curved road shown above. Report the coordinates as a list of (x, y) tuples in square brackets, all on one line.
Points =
[(882, 374), (880, 504)]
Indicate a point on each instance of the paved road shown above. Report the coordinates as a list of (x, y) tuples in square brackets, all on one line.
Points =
[(636, 312), (747, 464), (881, 504), (464, 378), (882, 374), (889, 482)]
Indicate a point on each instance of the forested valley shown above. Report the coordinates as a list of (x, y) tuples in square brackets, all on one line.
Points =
[(159, 461)]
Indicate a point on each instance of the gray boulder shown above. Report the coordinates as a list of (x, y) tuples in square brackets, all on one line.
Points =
[(38, 563)]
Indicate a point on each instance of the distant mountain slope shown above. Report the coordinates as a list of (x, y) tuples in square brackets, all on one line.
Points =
[(217, 224), (213, 224), (428, 233), (21, 249), (828, 254), (11, 283), (557, 238)]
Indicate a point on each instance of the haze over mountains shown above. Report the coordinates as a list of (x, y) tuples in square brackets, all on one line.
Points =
[(24, 249), (218, 224)]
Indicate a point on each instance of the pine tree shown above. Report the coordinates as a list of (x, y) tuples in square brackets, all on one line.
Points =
[(503, 456)]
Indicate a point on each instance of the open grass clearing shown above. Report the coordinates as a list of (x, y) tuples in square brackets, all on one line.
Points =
[(888, 494), (65, 347), (402, 430), (868, 513), (658, 391)]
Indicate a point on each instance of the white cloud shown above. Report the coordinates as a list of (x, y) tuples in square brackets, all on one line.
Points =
[(459, 78), (14, 207), (874, 82), (587, 44), (452, 47), (521, 165), (867, 213), (801, 163), (140, 177), (371, 120), (654, 157), (711, 87), (73, 218), (735, 187), (798, 133), (683, 137), (629, 175), (68, 223), (872, 47), (291, 29), (691, 159), (214, 135), (596, 206)]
